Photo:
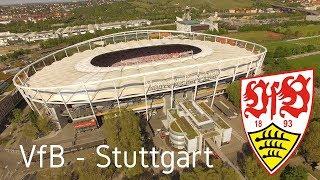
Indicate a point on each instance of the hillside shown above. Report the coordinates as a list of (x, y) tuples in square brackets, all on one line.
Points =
[(210, 4), (150, 9)]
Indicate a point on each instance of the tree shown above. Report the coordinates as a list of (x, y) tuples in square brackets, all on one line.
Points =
[(316, 107), (89, 170), (219, 171), (317, 76), (294, 173), (33, 118), (311, 145), (30, 131), (43, 125), (17, 116), (122, 130), (79, 170), (280, 51), (233, 92), (253, 171), (275, 65)]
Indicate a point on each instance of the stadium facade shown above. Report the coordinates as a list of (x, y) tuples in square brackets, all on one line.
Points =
[(141, 70)]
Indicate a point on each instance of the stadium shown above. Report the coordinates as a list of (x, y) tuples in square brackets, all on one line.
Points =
[(141, 70)]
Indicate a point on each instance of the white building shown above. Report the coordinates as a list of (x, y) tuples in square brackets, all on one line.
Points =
[(6, 37), (5, 22), (138, 23), (312, 8), (270, 10), (313, 17), (112, 25), (39, 36), (11, 71), (187, 25), (192, 124)]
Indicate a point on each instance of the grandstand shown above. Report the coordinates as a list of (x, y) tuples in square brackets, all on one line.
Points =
[(142, 69)]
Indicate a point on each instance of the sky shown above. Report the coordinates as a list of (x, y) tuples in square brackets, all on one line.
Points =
[(7, 2)]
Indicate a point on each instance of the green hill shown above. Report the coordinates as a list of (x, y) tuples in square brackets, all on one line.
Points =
[(151, 9), (210, 4)]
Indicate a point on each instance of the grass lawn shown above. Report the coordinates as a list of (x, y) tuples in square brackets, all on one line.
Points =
[(313, 41), (305, 30), (306, 62), (271, 46), (226, 4), (257, 36)]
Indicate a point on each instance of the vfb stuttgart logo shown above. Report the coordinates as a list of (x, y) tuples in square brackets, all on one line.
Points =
[(275, 111)]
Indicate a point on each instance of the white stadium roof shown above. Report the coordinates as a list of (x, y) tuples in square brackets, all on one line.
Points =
[(78, 69), (73, 79)]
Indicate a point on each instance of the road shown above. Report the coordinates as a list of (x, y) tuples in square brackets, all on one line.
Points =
[(157, 25)]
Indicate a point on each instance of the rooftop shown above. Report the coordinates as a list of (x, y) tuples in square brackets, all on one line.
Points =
[(183, 124), (189, 22), (215, 118), (70, 71), (195, 113)]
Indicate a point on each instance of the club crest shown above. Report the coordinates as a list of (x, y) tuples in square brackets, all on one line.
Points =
[(275, 111)]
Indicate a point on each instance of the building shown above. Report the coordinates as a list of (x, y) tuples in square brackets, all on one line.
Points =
[(11, 71), (191, 124), (313, 17), (312, 8), (39, 36), (138, 23), (186, 24), (146, 69), (113, 25), (7, 37)]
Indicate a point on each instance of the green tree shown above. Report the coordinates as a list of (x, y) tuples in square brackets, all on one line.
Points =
[(316, 107), (33, 118), (44, 125), (79, 171), (275, 65), (122, 130), (17, 116), (280, 51), (219, 171), (233, 92), (294, 173), (89, 170), (253, 171), (30, 131), (311, 145)]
